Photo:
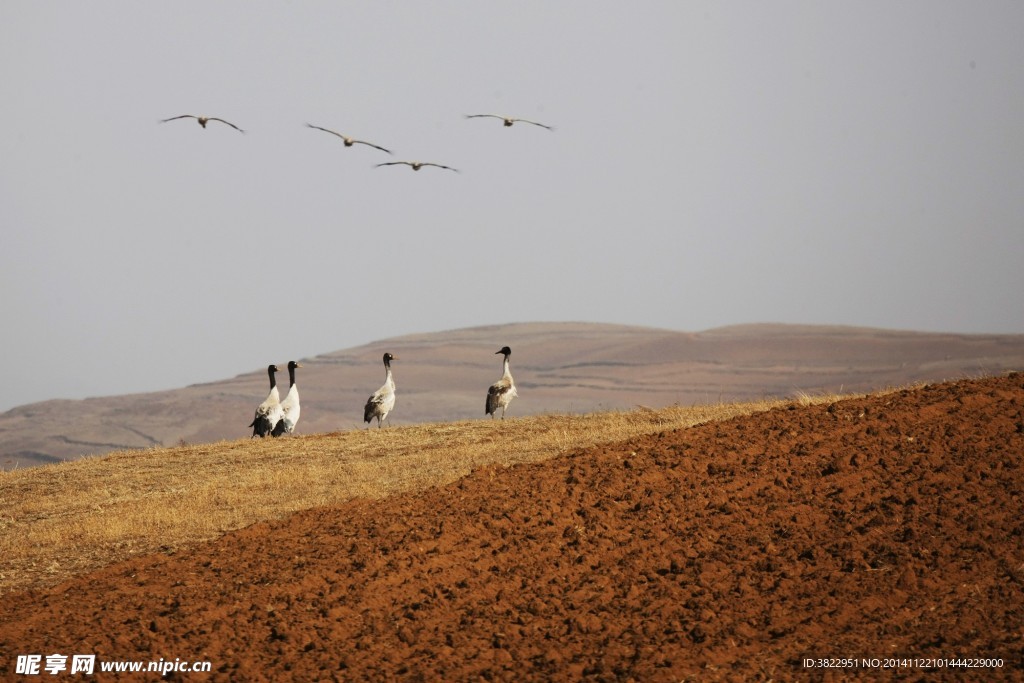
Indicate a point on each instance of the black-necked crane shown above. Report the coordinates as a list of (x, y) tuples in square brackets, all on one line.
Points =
[(383, 400), (290, 408), (501, 393), (203, 120), (269, 412), (416, 165), (508, 120), (349, 141)]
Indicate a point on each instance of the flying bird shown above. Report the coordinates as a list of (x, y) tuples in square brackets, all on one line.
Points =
[(501, 393), (269, 412), (202, 120), (290, 408), (383, 400), (416, 165), (350, 141), (507, 120)]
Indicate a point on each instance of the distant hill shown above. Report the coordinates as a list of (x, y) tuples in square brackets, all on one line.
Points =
[(558, 367)]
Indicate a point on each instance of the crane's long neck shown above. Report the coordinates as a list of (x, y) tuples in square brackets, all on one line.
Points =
[(291, 377), (388, 379), (504, 367), (273, 380)]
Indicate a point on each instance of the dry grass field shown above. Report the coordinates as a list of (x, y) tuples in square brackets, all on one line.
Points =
[(63, 519)]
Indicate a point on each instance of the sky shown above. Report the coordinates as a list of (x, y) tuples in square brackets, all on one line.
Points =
[(712, 163)]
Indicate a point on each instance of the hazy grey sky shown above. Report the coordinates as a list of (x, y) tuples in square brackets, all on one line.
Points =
[(714, 163)]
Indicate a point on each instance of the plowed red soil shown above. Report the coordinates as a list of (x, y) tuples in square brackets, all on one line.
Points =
[(877, 528)]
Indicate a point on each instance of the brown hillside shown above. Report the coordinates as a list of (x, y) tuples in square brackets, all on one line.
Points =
[(559, 367), (880, 527)]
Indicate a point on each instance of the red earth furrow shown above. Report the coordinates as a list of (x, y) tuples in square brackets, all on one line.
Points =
[(883, 527)]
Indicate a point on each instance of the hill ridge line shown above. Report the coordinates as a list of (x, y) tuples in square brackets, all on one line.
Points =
[(561, 367)]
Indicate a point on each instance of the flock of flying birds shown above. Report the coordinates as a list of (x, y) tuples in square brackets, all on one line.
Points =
[(275, 417), (507, 121)]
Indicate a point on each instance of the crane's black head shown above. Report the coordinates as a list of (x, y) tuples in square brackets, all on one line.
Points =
[(388, 358), (504, 350), (272, 369), (292, 365)]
